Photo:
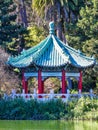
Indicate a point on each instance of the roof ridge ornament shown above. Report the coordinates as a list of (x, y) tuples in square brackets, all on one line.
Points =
[(51, 29)]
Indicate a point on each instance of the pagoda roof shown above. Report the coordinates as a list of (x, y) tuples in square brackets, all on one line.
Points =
[(51, 52)]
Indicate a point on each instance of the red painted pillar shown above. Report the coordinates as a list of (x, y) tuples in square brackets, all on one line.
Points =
[(26, 86), (42, 86), (63, 81), (80, 82), (39, 82), (23, 80), (24, 83)]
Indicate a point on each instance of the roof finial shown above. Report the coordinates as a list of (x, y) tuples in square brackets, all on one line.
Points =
[(51, 25)]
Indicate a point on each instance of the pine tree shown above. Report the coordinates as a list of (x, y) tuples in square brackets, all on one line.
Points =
[(7, 21), (11, 33), (84, 36)]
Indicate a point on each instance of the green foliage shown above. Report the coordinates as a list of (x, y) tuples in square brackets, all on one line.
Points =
[(11, 33), (90, 79), (88, 22), (60, 11), (7, 18), (70, 5), (83, 35), (85, 106), (85, 31), (7, 21), (35, 35), (19, 109)]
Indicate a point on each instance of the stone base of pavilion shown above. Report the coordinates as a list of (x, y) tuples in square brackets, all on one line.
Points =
[(50, 96)]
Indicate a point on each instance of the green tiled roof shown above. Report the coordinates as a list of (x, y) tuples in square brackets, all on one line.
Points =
[(51, 52)]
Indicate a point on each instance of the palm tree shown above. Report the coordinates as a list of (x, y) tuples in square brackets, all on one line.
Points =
[(60, 11)]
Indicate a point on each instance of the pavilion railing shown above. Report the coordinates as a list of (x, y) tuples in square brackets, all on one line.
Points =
[(49, 96)]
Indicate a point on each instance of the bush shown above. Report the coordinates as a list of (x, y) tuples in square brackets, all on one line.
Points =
[(84, 106), (19, 109)]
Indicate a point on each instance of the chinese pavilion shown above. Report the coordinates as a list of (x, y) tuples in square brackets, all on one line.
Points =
[(51, 58)]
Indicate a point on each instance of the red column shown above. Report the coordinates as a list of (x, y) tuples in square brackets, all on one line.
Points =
[(42, 86), (39, 82), (80, 82), (26, 86), (23, 80), (24, 83), (63, 81)]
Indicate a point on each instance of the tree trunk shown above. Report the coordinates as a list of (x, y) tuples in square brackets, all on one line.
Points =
[(59, 22), (66, 17), (23, 13)]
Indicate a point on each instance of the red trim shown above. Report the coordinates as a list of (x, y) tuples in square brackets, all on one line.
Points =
[(42, 86), (39, 82), (23, 80), (63, 81), (24, 83), (80, 82), (26, 86)]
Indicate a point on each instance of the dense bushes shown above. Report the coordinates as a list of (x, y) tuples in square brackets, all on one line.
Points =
[(19, 109), (86, 109)]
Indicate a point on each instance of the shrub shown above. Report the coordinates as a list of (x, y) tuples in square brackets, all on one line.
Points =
[(19, 109)]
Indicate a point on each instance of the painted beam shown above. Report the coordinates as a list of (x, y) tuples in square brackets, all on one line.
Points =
[(51, 74)]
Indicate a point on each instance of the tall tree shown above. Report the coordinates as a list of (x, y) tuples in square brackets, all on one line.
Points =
[(10, 31), (21, 9), (8, 26), (60, 11), (85, 32), (84, 36)]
